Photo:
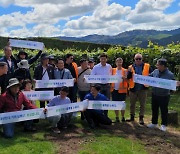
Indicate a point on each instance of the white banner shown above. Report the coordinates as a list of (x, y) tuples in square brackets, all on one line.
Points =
[(11, 117), (39, 95), (54, 83), (155, 82), (103, 78), (67, 108), (107, 105), (26, 44)]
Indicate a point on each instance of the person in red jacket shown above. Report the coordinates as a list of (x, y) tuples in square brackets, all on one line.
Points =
[(11, 101)]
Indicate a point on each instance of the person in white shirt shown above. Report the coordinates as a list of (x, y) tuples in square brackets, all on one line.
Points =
[(103, 68)]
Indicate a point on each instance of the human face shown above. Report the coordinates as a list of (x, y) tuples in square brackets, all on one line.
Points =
[(45, 61), (14, 89), (5, 69), (103, 60), (161, 68), (60, 64), (8, 52), (28, 87), (84, 65), (119, 63), (22, 56), (91, 65), (63, 94), (94, 92), (70, 59), (138, 59)]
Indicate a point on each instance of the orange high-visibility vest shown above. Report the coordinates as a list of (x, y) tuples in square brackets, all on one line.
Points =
[(145, 72), (122, 85), (75, 68)]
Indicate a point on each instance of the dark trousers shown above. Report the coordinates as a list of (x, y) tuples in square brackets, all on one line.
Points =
[(105, 90), (73, 93), (92, 116), (42, 104), (65, 120), (162, 103)]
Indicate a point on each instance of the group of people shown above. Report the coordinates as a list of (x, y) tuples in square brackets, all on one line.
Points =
[(15, 77)]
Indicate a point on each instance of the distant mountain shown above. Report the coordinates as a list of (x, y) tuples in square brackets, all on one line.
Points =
[(134, 38)]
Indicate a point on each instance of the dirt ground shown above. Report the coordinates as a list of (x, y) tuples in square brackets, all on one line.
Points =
[(70, 141)]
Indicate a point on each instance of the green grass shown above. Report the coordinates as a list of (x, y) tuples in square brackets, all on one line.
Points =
[(114, 145)]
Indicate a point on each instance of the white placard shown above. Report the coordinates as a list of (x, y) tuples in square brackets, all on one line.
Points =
[(155, 82), (107, 105), (26, 44), (54, 83), (103, 78), (11, 117), (66, 108), (39, 95)]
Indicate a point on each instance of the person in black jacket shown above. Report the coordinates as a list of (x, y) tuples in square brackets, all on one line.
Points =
[(22, 72), (44, 71), (3, 74), (23, 55), (11, 62)]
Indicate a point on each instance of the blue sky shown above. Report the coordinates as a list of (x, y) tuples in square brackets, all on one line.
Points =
[(24, 18)]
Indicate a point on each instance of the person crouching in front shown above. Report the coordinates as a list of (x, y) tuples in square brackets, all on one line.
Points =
[(11, 101)]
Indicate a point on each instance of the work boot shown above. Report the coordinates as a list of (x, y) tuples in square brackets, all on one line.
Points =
[(141, 121), (131, 118)]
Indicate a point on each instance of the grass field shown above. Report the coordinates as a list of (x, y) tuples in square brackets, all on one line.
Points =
[(93, 141)]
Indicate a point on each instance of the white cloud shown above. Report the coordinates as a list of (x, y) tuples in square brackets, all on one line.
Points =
[(103, 18)]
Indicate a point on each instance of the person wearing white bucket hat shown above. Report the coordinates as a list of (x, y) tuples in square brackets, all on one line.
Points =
[(22, 72)]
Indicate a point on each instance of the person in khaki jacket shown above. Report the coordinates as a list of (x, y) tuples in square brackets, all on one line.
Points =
[(83, 87), (138, 92), (119, 90)]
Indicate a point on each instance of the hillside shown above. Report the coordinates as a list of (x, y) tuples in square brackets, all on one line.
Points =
[(133, 38)]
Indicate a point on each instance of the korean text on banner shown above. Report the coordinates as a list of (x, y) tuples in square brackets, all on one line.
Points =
[(155, 82), (54, 83), (39, 95), (103, 78)]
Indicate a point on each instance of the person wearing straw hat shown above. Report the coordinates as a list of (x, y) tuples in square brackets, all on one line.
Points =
[(22, 72), (11, 101)]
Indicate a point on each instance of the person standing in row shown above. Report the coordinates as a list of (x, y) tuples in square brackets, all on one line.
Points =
[(73, 68), (83, 87), (3, 74), (103, 68), (44, 71), (119, 90), (11, 62), (138, 91), (160, 96), (61, 73)]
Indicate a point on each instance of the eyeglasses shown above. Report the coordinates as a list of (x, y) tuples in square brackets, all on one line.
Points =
[(138, 59)]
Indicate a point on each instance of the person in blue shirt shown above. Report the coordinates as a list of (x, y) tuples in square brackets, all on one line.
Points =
[(95, 117), (60, 121)]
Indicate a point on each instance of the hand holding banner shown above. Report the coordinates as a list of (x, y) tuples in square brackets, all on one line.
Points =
[(26, 44), (155, 82), (103, 78), (54, 83)]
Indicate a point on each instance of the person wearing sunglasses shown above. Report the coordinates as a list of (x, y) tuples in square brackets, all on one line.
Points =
[(137, 92)]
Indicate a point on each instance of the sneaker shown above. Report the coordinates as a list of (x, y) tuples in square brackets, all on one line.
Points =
[(123, 119), (131, 118), (163, 128), (55, 130), (152, 125), (117, 119)]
